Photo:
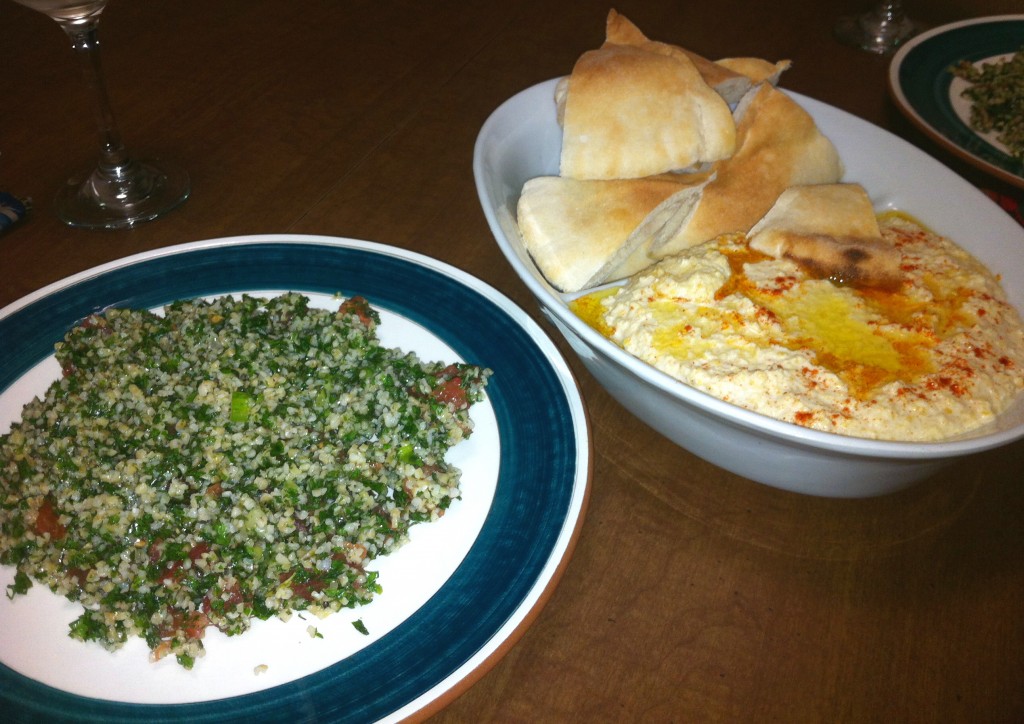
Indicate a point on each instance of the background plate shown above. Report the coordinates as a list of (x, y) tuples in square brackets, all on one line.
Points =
[(929, 95), (511, 565)]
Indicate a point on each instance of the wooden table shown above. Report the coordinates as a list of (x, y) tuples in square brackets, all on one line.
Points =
[(693, 595)]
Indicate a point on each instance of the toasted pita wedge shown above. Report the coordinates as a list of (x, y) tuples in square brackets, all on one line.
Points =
[(578, 231), (757, 70), (839, 210), (778, 146), (832, 232), (561, 89), (658, 228), (631, 112), (731, 77), (620, 30)]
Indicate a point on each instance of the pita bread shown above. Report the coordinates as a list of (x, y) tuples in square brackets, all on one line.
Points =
[(731, 77), (579, 231), (619, 30), (832, 232), (561, 88), (630, 112), (828, 209), (658, 228), (757, 70), (778, 146)]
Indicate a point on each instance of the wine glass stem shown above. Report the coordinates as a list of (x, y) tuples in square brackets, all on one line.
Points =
[(892, 10), (85, 41)]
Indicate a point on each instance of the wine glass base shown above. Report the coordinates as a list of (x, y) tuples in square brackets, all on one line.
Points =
[(874, 35), (143, 192)]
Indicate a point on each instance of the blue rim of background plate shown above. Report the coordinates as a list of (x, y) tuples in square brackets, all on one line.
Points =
[(924, 78), (537, 474)]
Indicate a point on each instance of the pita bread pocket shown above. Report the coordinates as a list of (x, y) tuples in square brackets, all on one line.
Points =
[(778, 146), (757, 70), (658, 228), (730, 77), (579, 231), (832, 232), (632, 111)]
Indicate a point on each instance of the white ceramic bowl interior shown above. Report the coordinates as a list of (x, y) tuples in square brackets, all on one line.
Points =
[(522, 139)]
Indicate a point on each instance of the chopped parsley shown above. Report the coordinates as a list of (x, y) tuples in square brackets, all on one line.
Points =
[(996, 92), (227, 460)]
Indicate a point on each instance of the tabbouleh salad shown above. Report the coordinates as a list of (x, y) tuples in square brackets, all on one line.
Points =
[(230, 459), (996, 92)]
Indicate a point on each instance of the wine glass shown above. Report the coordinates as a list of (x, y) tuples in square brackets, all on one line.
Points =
[(879, 30), (121, 191)]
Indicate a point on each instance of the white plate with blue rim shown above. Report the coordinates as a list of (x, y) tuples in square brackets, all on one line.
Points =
[(930, 95), (455, 598)]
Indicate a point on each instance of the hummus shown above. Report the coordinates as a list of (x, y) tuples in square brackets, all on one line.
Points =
[(938, 356)]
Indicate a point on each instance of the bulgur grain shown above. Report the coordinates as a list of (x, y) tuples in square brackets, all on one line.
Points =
[(996, 92), (230, 459)]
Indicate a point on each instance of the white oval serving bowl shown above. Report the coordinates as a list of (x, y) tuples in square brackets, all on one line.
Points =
[(522, 139)]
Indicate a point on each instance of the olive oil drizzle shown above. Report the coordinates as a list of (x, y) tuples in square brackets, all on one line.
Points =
[(867, 337)]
